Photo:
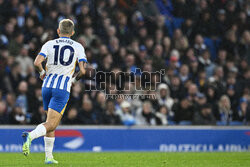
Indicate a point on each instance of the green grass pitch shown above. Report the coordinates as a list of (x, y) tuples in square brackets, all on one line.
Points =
[(130, 159)]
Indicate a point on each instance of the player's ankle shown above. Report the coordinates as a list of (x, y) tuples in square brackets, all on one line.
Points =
[(49, 157)]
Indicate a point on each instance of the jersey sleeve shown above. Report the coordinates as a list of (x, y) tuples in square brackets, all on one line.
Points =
[(44, 50), (81, 54)]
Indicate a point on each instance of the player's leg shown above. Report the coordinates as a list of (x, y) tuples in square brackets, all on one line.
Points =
[(49, 140), (40, 130), (53, 120), (57, 107)]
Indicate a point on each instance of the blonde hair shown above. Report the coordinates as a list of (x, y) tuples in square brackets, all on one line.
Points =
[(221, 101), (66, 26)]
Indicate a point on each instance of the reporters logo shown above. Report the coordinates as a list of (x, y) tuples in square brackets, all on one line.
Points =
[(124, 85)]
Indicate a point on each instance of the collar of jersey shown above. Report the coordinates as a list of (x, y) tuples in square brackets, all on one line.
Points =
[(64, 37)]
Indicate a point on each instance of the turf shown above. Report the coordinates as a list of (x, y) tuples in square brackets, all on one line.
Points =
[(130, 159)]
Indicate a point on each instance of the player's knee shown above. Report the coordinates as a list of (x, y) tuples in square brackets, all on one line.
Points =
[(50, 126), (53, 126)]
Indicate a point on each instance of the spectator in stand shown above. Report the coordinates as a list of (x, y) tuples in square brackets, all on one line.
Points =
[(164, 116), (10, 101), (224, 112), (220, 23), (201, 101), (211, 94), (205, 63), (218, 81), (34, 95), (145, 115), (17, 116), (243, 111), (163, 96), (75, 95), (110, 117), (86, 114), (244, 50), (233, 91), (245, 79), (204, 116), (148, 9), (4, 116), (199, 46), (230, 41), (39, 116), (184, 73), (125, 114), (221, 57), (72, 117), (16, 44), (160, 25), (205, 24), (25, 62), (188, 28), (100, 104), (183, 110), (123, 30), (13, 79), (22, 98), (177, 89), (201, 80), (192, 93), (180, 41)]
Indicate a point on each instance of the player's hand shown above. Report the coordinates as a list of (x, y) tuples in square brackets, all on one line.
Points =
[(42, 77), (83, 71), (42, 74), (73, 80)]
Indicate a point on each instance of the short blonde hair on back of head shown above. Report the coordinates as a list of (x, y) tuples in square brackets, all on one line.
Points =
[(66, 26)]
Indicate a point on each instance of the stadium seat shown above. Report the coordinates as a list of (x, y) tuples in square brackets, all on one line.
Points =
[(211, 46), (169, 27), (220, 123), (173, 24), (217, 43), (236, 123), (171, 123), (185, 123), (177, 22)]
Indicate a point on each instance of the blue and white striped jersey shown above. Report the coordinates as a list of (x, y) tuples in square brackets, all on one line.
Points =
[(62, 55)]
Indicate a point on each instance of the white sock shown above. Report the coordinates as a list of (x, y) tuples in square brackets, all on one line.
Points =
[(38, 132), (49, 144)]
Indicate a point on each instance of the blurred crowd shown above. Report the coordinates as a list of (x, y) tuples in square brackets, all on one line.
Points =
[(203, 45)]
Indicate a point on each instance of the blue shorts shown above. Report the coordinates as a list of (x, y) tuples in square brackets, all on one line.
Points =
[(55, 99)]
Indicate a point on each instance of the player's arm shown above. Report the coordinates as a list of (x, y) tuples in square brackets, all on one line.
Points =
[(82, 60), (38, 65), (81, 73)]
